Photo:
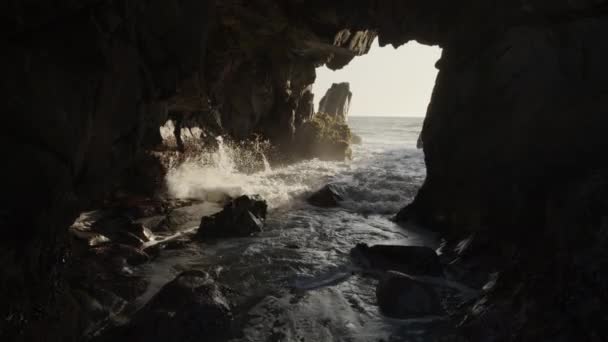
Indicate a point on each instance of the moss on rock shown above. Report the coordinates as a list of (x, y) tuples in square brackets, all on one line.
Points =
[(325, 137)]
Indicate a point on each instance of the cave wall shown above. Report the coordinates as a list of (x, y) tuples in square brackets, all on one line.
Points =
[(81, 80), (261, 64), (86, 86), (515, 147), (514, 117)]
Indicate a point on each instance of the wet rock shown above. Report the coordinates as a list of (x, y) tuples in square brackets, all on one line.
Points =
[(356, 139), (193, 307), (472, 260), (138, 206), (97, 304), (176, 244), (126, 238), (174, 220), (108, 269), (419, 142), (241, 217), (414, 260), (329, 196), (325, 137), (123, 230), (402, 296), (119, 255), (87, 238)]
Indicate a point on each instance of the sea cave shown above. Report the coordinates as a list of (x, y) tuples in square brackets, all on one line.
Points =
[(173, 172)]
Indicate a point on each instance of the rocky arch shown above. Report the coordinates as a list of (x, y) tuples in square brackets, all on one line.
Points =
[(521, 90)]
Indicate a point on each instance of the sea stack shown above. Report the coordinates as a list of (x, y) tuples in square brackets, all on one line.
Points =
[(336, 101)]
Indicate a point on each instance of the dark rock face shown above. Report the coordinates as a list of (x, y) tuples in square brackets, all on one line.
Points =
[(87, 84), (515, 123), (81, 81), (336, 101), (531, 281), (525, 135), (122, 229), (306, 109), (261, 64), (329, 196), (241, 217), (413, 260), (401, 296), (192, 307)]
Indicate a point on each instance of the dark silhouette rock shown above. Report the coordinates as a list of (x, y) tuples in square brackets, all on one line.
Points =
[(145, 176), (193, 307), (401, 296), (122, 229), (306, 108), (105, 271), (243, 216), (413, 260), (329, 196), (336, 101), (119, 255)]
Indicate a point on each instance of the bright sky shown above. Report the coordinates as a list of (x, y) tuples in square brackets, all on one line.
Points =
[(387, 81)]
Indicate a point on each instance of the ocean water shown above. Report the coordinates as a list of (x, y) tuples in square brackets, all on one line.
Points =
[(384, 174), (296, 277)]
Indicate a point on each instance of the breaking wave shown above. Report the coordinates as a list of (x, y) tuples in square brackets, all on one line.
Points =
[(382, 177)]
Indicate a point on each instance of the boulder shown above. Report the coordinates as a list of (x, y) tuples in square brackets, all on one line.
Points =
[(401, 296), (193, 307), (122, 229), (109, 268), (336, 101), (414, 260), (241, 217), (118, 255), (355, 139), (329, 196), (324, 136)]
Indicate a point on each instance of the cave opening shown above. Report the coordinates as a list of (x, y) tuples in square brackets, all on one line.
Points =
[(387, 81), (514, 178)]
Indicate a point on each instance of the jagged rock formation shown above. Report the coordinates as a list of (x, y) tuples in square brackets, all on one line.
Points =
[(400, 296), (516, 122), (412, 260), (81, 82), (86, 86), (325, 137), (336, 101), (259, 72), (243, 216), (515, 128), (327, 197), (192, 307)]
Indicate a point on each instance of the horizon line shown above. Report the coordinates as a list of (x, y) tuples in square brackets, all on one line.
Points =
[(388, 116)]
